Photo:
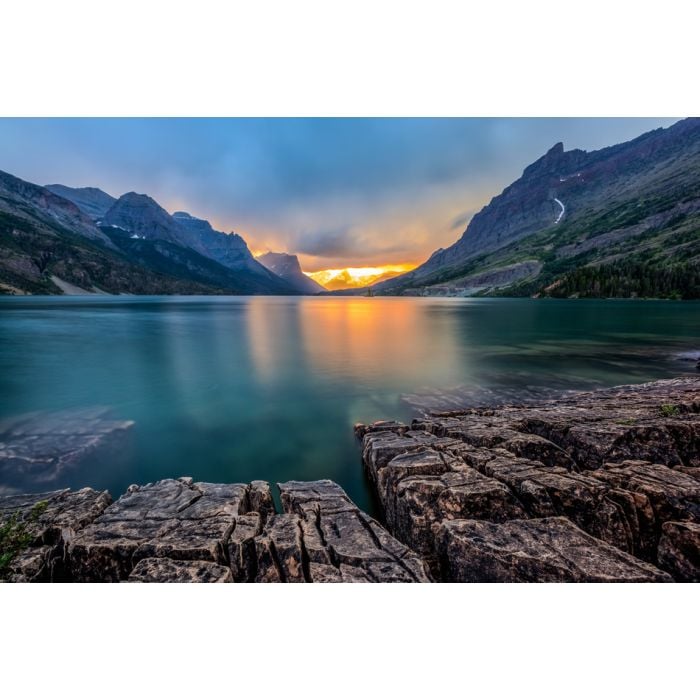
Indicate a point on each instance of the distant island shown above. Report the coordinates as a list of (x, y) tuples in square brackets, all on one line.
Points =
[(622, 221)]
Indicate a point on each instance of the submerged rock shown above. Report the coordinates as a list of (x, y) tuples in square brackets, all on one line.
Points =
[(37, 448)]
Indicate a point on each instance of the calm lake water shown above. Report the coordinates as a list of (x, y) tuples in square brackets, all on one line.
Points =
[(241, 388)]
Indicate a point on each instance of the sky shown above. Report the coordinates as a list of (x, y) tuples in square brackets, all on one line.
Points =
[(339, 193)]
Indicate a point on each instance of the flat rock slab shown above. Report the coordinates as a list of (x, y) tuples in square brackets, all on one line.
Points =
[(537, 550), (36, 448), (170, 571), (173, 518)]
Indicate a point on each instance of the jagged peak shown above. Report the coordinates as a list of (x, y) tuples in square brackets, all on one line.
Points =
[(130, 196), (553, 160)]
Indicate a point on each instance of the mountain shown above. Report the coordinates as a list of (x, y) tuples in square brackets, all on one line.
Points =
[(288, 268), (26, 200), (93, 201), (142, 217), (49, 245), (228, 249), (575, 219)]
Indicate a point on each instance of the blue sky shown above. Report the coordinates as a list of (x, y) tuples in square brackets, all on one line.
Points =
[(338, 192)]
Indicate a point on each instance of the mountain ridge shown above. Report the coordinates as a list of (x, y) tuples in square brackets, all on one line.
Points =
[(563, 197), (92, 200), (49, 244)]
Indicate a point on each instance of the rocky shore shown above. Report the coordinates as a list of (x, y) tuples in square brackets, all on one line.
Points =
[(177, 530), (600, 486)]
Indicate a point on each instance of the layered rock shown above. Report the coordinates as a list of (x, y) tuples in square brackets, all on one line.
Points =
[(542, 550), (616, 464), (174, 518), (177, 530)]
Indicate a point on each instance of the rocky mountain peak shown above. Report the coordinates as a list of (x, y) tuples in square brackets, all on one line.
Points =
[(142, 216), (90, 200), (288, 268)]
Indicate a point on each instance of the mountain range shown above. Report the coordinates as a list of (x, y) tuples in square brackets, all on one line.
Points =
[(620, 221), (58, 239)]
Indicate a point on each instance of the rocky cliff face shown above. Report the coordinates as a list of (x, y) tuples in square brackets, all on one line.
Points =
[(567, 197), (228, 249), (93, 201), (288, 268), (140, 215)]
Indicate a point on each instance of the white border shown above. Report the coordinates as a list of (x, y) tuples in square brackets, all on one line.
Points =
[(368, 57), (357, 641)]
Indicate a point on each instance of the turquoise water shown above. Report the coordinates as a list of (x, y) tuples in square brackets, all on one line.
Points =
[(242, 388)]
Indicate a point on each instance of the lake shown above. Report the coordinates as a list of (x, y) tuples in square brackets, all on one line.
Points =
[(233, 389)]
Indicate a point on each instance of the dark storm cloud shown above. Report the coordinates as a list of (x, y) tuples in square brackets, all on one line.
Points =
[(326, 243), (349, 188)]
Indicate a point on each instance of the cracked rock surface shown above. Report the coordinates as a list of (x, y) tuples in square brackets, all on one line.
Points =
[(177, 530), (609, 480)]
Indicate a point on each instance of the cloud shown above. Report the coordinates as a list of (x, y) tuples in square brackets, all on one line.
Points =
[(325, 243), (460, 222)]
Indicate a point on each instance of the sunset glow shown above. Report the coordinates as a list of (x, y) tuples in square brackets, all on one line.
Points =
[(357, 276)]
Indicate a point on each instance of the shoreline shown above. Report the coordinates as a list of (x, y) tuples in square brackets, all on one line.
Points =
[(600, 486)]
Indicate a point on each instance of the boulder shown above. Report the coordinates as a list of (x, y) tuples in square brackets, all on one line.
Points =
[(539, 550)]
